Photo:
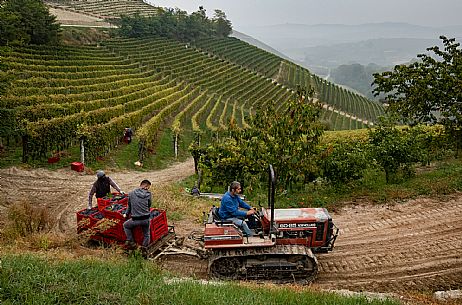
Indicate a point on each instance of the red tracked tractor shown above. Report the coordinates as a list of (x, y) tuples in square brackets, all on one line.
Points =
[(282, 249)]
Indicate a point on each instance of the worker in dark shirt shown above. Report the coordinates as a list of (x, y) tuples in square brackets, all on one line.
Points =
[(101, 187), (138, 212), (128, 135)]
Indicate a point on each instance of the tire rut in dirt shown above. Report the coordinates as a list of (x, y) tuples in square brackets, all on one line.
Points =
[(410, 246), (64, 192), (185, 266)]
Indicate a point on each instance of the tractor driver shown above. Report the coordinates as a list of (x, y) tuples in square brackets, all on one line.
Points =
[(229, 208)]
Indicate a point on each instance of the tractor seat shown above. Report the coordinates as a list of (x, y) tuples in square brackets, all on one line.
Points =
[(216, 218)]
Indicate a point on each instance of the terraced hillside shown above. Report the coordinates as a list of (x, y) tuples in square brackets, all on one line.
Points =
[(58, 97), (344, 105), (335, 98), (105, 8)]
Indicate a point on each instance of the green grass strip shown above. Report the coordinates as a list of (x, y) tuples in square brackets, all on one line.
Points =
[(28, 279)]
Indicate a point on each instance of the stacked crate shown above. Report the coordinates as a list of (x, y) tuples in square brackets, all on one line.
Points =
[(158, 227), (105, 223)]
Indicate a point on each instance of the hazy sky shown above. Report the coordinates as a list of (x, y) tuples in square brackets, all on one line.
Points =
[(244, 13)]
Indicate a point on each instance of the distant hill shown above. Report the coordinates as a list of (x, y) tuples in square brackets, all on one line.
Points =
[(296, 40), (383, 52), (356, 76), (289, 36)]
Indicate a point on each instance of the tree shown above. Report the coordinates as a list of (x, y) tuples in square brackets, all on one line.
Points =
[(171, 23), (27, 21), (395, 150), (429, 90), (222, 25), (286, 137)]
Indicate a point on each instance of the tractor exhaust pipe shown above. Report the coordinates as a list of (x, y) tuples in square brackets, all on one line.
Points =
[(271, 191)]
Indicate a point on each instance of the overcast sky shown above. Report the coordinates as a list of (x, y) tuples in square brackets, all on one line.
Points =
[(243, 13)]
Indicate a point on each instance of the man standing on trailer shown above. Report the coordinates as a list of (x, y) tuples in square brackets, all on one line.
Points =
[(229, 208), (139, 211), (101, 187)]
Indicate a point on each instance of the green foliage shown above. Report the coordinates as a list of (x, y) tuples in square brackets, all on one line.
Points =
[(434, 142), (27, 21), (5, 77), (223, 162), (395, 150), (287, 139), (221, 24), (176, 24), (428, 90), (343, 162), (29, 279)]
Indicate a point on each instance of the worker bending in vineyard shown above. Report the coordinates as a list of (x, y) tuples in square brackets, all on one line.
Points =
[(128, 135), (230, 208), (101, 187), (138, 212)]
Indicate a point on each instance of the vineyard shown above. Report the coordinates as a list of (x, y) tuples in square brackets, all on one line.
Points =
[(337, 100), (105, 8), (58, 97)]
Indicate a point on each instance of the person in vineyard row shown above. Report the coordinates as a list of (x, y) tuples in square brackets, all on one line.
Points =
[(101, 187), (128, 134)]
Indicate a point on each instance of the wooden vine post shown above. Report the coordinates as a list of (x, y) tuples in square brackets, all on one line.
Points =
[(175, 145), (141, 149), (82, 150), (176, 137)]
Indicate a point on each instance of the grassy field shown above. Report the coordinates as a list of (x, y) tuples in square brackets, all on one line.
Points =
[(30, 279)]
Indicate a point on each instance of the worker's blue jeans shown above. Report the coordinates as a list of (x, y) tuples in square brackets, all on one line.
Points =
[(130, 225), (241, 224)]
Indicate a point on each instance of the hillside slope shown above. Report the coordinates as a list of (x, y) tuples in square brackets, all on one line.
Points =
[(60, 96), (334, 100)]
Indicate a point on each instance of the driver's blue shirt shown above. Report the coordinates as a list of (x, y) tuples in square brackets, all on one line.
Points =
[(230, 205)]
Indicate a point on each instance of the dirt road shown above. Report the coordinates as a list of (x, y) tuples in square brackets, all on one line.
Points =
[(415, 245), (65, 191), (412, 246)]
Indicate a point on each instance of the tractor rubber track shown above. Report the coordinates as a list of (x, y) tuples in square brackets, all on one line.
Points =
[(279, 264)]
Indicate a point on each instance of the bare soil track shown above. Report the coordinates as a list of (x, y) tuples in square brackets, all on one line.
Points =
[(409, 246)]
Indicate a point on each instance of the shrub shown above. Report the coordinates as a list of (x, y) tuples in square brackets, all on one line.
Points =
[(344, 162), (396, 150), (24, 219)]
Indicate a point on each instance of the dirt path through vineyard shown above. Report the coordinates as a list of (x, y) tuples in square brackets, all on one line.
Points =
[(415, 245), (65, 191)]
